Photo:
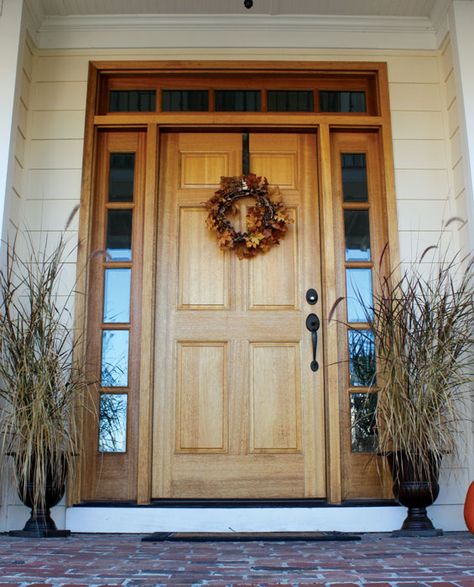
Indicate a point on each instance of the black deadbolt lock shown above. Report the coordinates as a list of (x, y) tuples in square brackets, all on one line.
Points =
[(311, 296)]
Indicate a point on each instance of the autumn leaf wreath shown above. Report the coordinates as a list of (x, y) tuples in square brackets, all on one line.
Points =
[(267, 221)]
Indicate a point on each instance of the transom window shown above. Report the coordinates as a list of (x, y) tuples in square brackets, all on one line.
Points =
[(328, 93)]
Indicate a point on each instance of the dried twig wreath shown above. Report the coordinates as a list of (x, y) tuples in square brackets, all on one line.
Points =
[(267, 221)]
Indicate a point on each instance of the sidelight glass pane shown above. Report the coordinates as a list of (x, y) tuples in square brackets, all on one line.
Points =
[(337, 101), (117, 295), (121, 177), (354, 177), (119, 235), (363, 428), (361, 358), (114, 371), (113, 422), (359, 294), (238, 101), (185, 100), (132, 101), (290, 101), (357, 235)]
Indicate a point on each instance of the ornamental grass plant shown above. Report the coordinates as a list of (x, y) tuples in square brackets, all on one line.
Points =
[(422, 320), (41, 384)]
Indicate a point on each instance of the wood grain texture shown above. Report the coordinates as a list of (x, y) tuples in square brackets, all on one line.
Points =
[(257, 402), (114, 474), (247, 318), (362, 473), (147, 337)]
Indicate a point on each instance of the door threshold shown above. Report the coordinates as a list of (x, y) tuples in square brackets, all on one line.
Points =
[(241, 503)]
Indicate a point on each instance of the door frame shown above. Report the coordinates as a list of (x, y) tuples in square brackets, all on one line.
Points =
[(100, 74)]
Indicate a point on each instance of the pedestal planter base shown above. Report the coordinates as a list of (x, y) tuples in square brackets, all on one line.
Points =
[(40, 525), (415, 494), (417, 533), (40, 533)]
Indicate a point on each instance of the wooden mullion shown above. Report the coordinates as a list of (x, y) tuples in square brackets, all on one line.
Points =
[(114, 326), (359, 264), (330, 350), (145, 452), (356, 206), (120, 205)]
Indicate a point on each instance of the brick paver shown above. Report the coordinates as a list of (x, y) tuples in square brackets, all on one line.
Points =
[(378, 560)]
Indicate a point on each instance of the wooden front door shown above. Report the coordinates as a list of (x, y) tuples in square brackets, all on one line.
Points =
[(238, 413)]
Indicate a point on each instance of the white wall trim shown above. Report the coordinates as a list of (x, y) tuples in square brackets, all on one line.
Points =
[(103, 31)]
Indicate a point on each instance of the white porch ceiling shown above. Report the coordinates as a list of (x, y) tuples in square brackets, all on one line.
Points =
[(398, 8), (366, 24)]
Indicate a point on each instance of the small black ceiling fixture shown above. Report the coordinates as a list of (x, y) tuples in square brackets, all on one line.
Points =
[(248, 3)]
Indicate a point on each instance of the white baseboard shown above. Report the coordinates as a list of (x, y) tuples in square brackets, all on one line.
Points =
[(346, 519)]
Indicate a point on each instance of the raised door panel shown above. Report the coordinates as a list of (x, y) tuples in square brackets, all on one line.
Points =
[(274, 279), (203, 269), (275, 398), (202, 408)]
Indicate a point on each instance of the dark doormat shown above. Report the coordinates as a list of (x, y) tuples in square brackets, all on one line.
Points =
[(247, 536)]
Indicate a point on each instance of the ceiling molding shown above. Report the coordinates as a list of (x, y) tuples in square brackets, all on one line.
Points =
[(439, 18), (144, 31)]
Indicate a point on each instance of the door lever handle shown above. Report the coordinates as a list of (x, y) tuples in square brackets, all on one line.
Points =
[(312, 324)]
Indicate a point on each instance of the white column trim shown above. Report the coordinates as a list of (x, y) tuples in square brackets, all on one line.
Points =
[(461, 24), (11, 48)]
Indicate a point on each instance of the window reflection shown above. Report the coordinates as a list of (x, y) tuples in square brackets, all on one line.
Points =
[(290, 101), (119, 235), (238, 101), (340, 101), (132, 101), (185, 100), (359, 294), (117, 295), (114, 371), (354, 177), (357, 235), (121, 177), (113, 422), (363, 426), (362, 369)]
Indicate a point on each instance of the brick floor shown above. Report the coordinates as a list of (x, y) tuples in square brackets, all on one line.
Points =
[(378, 560)]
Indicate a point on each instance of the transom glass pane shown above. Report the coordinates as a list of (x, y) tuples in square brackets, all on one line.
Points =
[(113, 422), (354, 177), (340, 101), (357, 235), (290, 101), (238, 101), (121, 177), (114, 367), (362, 370), (117, 295), (359, 294), (185, 100), (363, 428), (132, 101), (119, 235)]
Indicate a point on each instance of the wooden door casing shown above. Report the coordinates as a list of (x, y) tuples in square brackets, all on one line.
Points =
[(238, 412)]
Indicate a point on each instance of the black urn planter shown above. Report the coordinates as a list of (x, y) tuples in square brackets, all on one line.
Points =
[(415, 494), (40, 523)]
